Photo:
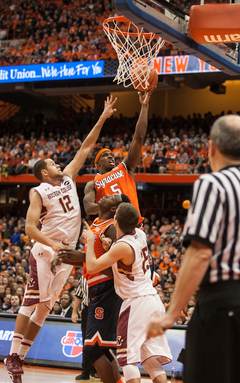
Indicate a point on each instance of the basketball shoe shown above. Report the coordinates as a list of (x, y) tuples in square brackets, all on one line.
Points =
[(16, 378), (13, 364)]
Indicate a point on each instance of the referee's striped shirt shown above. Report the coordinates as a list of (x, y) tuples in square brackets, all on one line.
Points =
[(82, 291), (214, 220)]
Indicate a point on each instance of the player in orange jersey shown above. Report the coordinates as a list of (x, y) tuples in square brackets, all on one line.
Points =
[(104, 303), (118, 179)]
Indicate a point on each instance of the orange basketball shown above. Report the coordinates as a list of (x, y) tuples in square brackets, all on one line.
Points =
[(140, 82), (186, 204)]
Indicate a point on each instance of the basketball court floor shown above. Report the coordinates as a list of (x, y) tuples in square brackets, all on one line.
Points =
[(50, 375)]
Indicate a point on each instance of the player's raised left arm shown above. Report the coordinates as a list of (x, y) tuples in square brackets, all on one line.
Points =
[(75, 165), (140, 131)]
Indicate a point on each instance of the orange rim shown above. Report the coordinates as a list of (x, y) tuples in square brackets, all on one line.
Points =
[(122, 19)]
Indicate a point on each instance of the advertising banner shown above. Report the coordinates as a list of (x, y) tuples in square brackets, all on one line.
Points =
[(61, 342), (81, 70)]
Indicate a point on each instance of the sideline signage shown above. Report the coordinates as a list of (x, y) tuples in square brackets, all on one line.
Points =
[(61, 342)]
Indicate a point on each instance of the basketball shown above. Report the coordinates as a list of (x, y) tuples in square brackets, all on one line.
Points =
[(140, 82), (186, 204)]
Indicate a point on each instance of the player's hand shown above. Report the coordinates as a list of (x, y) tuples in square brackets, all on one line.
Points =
[(108, 107), (56, 246), (54, 264), (106, 242), (145, 97), (74, 317), (157, 326), (71, 255), (87, 232)]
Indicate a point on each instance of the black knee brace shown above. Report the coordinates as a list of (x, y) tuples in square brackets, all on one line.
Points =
[(93, 352)]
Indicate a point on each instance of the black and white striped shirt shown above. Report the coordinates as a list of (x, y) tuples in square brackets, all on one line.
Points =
[(214, 220), (82, 291)]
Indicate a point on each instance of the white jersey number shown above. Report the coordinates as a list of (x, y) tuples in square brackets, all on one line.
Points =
[(115, 189)]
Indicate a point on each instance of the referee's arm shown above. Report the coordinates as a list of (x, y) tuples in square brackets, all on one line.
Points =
[(76, 305)]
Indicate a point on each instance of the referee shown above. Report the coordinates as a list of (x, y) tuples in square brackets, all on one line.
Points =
[(83, 298), (212, 262)]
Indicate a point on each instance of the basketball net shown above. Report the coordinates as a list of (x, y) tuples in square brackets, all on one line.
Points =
[(135, 49)]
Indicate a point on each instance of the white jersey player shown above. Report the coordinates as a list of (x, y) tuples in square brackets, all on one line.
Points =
[(60, 219), (129, 260), (55, 203)]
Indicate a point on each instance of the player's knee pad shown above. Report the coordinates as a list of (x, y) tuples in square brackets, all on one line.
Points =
[(93, 352), (131, 371), (40, 314), (153, 367), (27, 310), (108, 355)]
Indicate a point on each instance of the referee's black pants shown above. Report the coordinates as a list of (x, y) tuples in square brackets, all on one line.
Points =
[(213, 336)]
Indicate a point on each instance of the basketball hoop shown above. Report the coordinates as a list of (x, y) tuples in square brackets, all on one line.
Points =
[(135, 49)]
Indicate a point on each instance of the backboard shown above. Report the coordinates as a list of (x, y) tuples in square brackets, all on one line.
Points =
[(164, 19)]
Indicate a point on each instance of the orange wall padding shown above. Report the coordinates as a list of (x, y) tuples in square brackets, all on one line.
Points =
[(215, 23)]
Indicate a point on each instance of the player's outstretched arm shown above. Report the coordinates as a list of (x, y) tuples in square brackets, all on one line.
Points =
[(140, 131), (72, 257), (75, 165), (90, 206)]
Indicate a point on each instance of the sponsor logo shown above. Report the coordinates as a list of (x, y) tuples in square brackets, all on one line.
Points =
[(66, 183), (234, 37), (72, 344)]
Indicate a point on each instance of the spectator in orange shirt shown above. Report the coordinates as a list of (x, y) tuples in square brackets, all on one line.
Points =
[(155, 237), (147, 162), (166, 263), (145, 148), (171, 155), (93, 56), (67, 54), (117, 149), (154, 253), (108, 55), (204, 151), (176, 267)]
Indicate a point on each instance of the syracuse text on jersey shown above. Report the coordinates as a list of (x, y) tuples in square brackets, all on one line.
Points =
[(108, 179)]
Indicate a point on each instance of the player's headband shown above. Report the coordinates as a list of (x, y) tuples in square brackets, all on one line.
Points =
[(99, 155)]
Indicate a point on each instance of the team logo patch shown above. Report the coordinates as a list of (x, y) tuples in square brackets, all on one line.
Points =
[(72, 344)]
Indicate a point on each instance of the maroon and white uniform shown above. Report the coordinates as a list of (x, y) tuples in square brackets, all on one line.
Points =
[(140, 303), (61, 221)]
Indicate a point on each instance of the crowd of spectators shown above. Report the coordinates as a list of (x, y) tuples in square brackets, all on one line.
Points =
[(54, 31), (169, 142), (164, 236), (60, 31)]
